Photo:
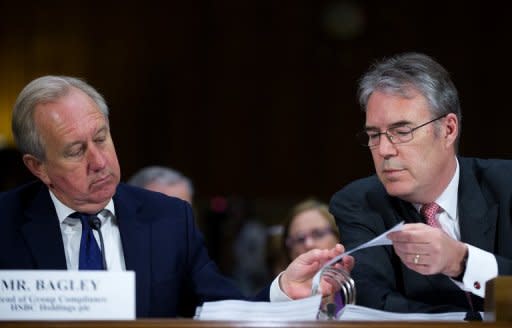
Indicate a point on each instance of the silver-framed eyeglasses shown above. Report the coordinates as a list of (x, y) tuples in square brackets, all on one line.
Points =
[(396, 134)]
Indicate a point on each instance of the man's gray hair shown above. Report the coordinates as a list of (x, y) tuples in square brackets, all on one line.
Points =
[(43, 90), (403, 73), (159, 174)]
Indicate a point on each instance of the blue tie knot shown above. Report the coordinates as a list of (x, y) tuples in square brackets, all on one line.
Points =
[(90, 254)]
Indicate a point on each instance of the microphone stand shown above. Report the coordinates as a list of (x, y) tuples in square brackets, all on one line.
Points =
[(95, 223)]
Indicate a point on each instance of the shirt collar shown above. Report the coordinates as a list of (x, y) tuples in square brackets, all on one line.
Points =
[(63, 211), (448, 198)]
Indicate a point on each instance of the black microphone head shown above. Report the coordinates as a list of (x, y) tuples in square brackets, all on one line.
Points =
[(94, 222), (331, 310)]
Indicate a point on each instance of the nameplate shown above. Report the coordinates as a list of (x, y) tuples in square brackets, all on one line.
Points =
[(66, 295)]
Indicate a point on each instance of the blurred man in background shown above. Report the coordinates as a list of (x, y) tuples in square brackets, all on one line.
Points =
[(164, 180)]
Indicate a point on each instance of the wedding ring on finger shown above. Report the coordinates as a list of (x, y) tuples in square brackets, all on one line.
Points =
[(416, 259)]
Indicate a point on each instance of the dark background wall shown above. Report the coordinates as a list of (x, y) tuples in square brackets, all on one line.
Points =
[(256, 98)]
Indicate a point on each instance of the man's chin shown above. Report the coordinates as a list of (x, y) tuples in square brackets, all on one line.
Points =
[(101, 196), (94, 205), (397, 189)]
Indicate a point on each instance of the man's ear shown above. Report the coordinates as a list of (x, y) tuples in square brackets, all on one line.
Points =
[(452, 128), (37, 167)]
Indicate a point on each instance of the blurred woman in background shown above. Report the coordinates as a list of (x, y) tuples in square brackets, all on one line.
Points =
[(310, 225)]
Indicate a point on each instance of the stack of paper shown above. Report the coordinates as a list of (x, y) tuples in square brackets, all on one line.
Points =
[(299, 310), (353, 312)]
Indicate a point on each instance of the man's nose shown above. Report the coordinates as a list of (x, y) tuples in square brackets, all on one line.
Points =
[(386, 148), (96, 158)]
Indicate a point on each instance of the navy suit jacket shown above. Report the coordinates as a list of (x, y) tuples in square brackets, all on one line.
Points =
[(363, 210), (159, 238)]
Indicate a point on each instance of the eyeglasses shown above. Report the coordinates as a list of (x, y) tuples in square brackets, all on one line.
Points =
[(315, 234), (395, 135)]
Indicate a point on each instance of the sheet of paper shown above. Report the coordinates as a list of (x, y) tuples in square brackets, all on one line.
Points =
[(297, 310), (353, 312), (380, 240)]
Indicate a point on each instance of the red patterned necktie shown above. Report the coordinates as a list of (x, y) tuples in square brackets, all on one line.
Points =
[(429, 212)]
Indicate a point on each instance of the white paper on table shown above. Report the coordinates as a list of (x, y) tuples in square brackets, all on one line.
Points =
[(380, 240), (353, 312), (305, 309)]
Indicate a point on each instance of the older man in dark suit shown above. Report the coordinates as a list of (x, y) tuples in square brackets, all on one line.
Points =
[(457, 210), (61, 126)]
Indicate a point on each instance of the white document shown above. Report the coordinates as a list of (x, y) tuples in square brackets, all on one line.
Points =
[(353, 312), (67, 295), (380, 240), (305, 309)]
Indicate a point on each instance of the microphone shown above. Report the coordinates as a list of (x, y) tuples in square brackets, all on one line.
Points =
[(331, 311), (95, 223)]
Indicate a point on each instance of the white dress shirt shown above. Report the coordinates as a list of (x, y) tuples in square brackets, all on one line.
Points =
[(71, 230), (481, 265)]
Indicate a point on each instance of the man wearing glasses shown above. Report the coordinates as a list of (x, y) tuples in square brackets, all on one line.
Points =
[(457, 210)]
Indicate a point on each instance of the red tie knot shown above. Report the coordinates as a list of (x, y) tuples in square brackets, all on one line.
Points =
[(429, 212)]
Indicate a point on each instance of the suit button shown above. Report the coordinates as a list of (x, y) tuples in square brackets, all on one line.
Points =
[(476, 284)]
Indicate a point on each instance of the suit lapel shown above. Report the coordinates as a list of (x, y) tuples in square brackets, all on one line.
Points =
[(477, 218), (408, 212), (42, 233), (393, 209), (135, 238)]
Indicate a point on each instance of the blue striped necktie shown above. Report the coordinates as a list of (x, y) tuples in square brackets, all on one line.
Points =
[(90, 254)]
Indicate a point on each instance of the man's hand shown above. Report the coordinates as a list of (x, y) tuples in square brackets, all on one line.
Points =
[(428, 250), (296, 279)]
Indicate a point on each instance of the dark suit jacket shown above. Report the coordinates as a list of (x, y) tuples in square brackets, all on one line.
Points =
[(159, 238), (364, 210)]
